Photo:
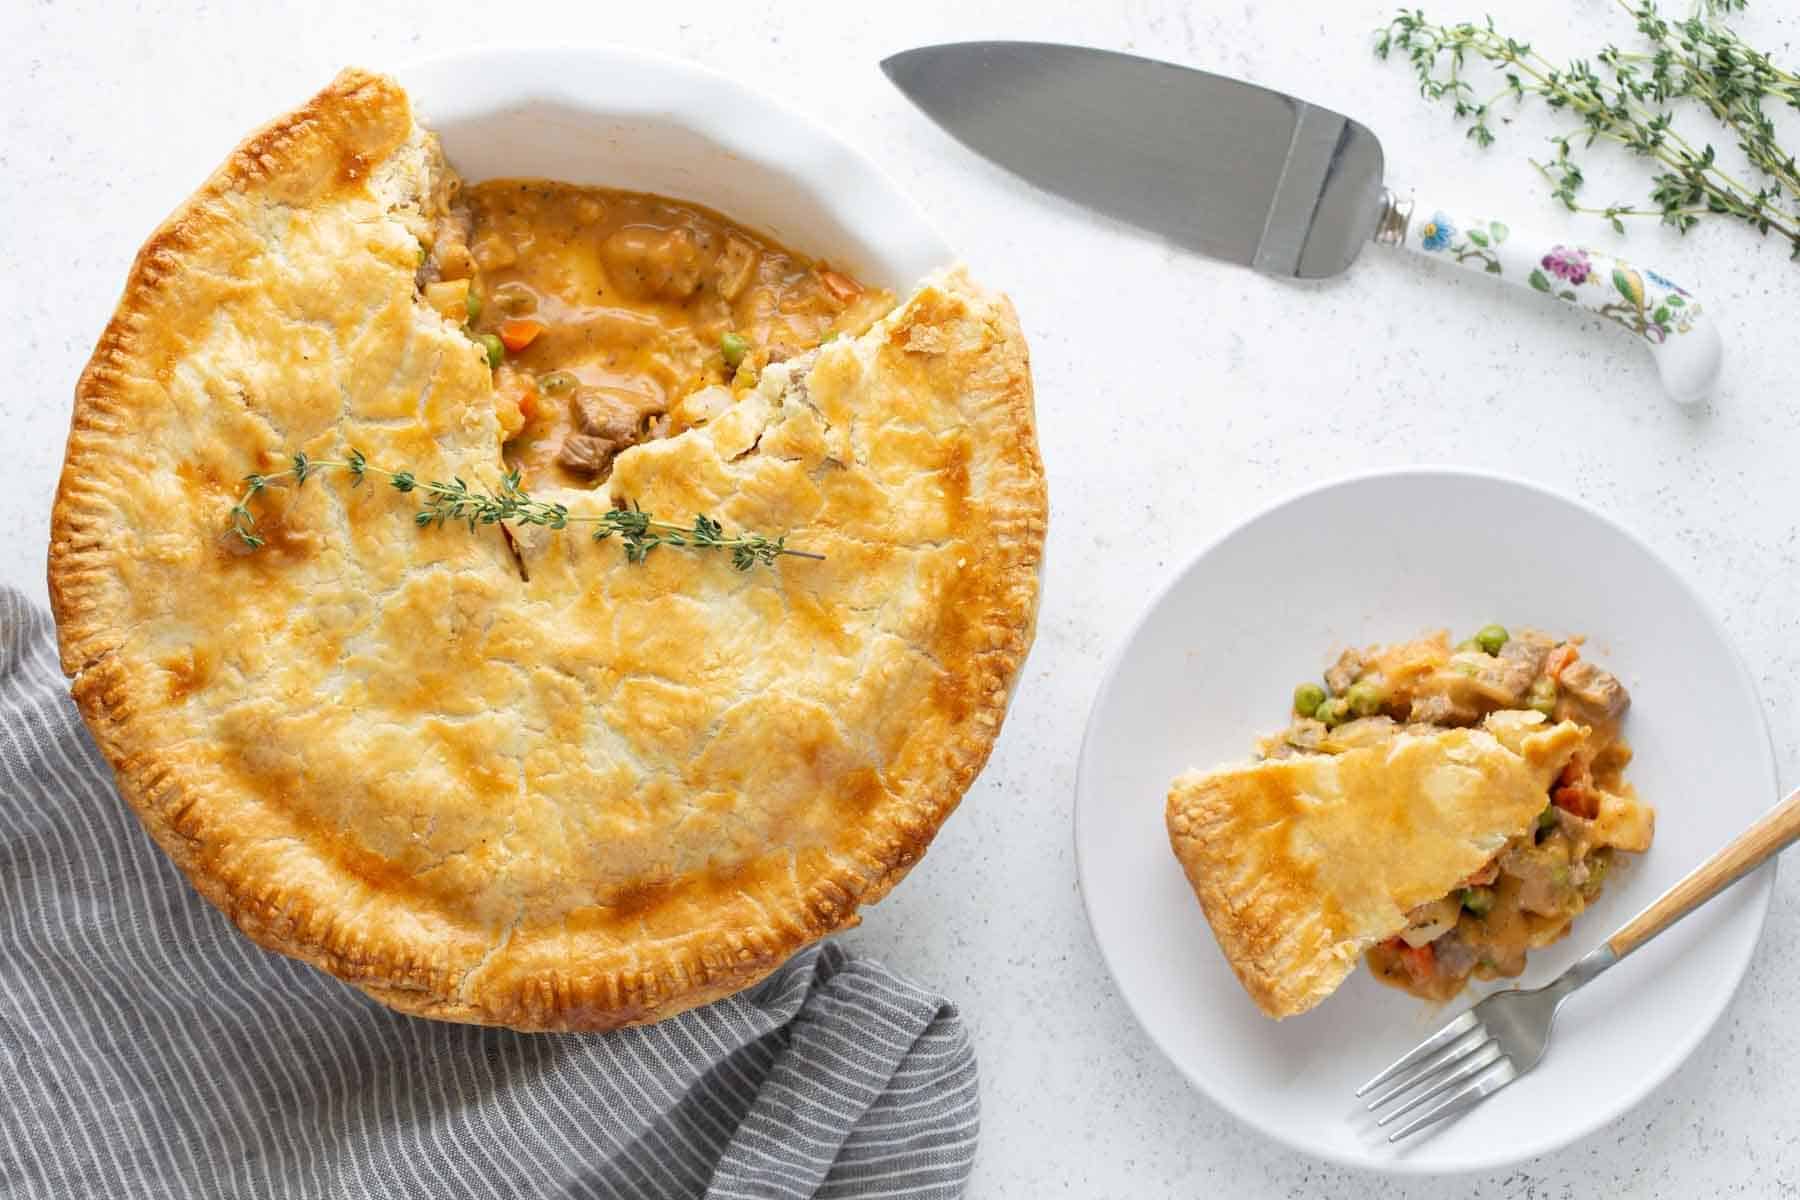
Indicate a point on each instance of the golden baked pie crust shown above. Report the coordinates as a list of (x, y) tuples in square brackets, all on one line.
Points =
[(588, 799), (1303, 863)]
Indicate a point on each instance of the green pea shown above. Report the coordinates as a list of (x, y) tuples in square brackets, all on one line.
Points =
[(1307, 698), (1365, 697), (734, 346), (1542, 696), (1547, 819), (496, 349), (1333, 712), (555, 383), (472, 303), (1467, 645), (1478, 900), (1491, 637)]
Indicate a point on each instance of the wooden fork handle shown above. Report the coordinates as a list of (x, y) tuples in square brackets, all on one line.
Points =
[(1779, 827)]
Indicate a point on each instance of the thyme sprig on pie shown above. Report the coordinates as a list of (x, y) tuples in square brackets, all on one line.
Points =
[(456, 501)]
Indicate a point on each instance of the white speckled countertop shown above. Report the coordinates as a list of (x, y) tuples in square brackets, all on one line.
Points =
[(1176, 397)]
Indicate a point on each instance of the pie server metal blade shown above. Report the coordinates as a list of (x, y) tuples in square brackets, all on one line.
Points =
[(1259, 178)]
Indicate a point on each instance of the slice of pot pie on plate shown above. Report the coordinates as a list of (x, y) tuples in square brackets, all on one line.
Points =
[(1443, 810), (537, 606)]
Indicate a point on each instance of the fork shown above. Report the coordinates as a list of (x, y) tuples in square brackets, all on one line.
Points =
[(1504, 1036)]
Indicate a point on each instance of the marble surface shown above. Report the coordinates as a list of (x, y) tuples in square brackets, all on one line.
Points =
[(1176, 396)]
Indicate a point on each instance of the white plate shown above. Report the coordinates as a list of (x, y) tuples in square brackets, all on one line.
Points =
[(603, 115), (1212, 664)]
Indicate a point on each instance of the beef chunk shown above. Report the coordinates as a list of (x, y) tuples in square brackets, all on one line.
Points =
[(604, 415), (1594, 695), (1505, 679), (1526, 651), (586, 454), (1443, 708)]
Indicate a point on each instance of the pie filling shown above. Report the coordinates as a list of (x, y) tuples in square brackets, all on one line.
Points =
[(1528, 893), (613, 317)]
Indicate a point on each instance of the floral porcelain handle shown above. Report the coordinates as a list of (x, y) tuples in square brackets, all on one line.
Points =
[(1668, 317)]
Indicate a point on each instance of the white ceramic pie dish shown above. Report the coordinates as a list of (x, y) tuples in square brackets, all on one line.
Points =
[(606, 116), (1211, 664)]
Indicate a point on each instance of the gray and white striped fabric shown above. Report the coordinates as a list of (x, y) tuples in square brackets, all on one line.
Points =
[(147, 1049)]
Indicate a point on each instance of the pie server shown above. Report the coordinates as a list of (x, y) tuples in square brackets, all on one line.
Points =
[(1261, 179)]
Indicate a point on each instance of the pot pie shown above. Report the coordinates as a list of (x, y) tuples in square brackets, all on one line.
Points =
[(1443, 809), (500, 773)]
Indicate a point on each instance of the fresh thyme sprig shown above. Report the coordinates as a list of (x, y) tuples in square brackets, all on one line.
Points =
[(637, 531), (1626, 100)]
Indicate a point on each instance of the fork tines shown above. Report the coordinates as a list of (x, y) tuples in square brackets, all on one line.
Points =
[(1462, 1059)]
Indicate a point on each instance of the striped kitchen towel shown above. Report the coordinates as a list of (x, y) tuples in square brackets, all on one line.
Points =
[(147, 1049)]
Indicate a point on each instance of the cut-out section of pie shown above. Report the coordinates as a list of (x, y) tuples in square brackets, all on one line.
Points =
[(618, 317), (1444, 810), (522, 780)]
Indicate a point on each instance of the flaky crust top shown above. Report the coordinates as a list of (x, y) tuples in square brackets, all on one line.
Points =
[(582, 799), (1303, 863)]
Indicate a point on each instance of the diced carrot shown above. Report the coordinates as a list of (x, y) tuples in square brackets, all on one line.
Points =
[(1420, 961), (1559, 659), (516, 333), (1577, 772), (1577, 801)]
